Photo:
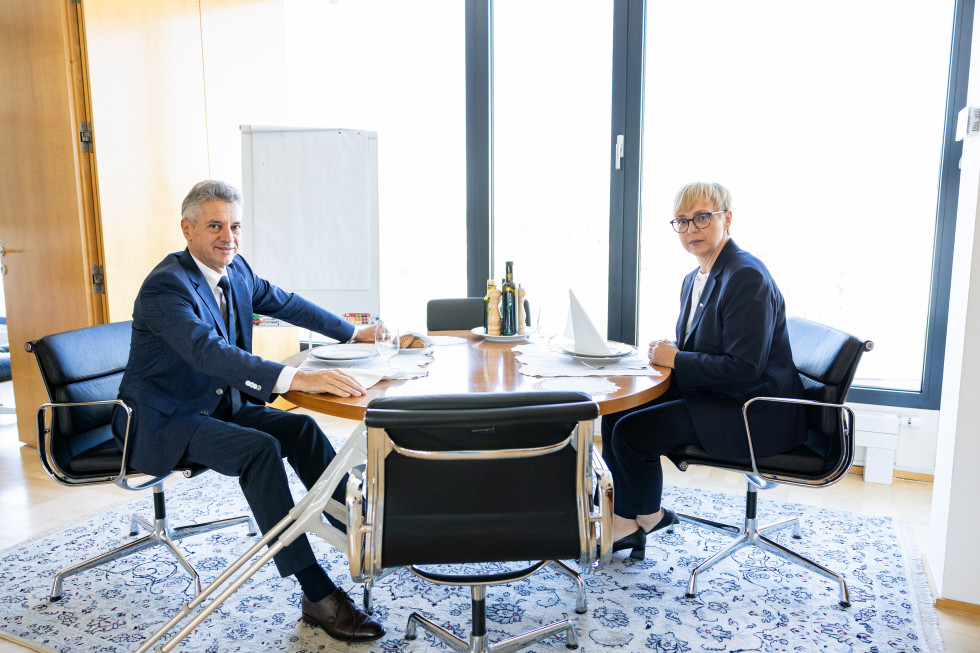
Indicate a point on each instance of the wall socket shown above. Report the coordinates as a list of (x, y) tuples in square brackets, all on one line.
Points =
[(909, 422)]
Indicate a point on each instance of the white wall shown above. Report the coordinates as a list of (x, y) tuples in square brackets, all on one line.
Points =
[(954, 558), (916, 444)]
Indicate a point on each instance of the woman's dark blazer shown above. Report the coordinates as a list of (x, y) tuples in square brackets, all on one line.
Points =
[(738, 348)]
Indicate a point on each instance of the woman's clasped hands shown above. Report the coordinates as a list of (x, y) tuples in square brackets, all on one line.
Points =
[(662, 353)]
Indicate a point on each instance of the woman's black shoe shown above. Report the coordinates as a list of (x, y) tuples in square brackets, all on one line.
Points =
[(637, 540), (669, 519)]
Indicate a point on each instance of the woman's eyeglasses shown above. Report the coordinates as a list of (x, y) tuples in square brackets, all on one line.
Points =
[(700, 220)]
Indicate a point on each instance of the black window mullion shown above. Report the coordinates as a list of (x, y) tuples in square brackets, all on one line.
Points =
[(624, 193), (479, 146)]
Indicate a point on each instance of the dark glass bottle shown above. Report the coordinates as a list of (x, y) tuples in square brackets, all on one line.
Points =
[(508, 303)]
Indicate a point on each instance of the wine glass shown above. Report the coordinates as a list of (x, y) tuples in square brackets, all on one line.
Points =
[(386, 341), (546, 327)]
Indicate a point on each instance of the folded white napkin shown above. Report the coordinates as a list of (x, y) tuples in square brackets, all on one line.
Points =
[(368, 377), (588, 339), (371, 370)]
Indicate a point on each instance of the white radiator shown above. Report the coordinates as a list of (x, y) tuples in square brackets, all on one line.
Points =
[(878, 433)]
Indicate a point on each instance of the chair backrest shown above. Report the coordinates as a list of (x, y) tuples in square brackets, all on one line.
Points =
[(78, 366), (454, 314), (479, 478), (458, 313), (826, 360)]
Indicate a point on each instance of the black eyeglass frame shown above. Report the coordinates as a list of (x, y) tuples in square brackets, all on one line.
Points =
[(681, 225)]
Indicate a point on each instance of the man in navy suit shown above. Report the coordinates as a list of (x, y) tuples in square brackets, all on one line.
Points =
[(731, 344), (198, 393)]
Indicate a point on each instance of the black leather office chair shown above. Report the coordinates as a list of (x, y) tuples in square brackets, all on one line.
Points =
[(458, 313), (826, 360), (81, 370), (5, 363), (459, 479)]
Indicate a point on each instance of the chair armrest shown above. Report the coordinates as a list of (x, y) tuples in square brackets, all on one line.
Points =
[(786, 400), (44, 444), (604, 492)]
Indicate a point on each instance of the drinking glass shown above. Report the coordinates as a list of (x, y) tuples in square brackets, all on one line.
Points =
[(546, 327), (386, 342)]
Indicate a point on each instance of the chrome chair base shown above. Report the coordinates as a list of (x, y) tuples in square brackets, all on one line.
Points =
[(160, 533), (753, 534), (580, 603), (479, 642)]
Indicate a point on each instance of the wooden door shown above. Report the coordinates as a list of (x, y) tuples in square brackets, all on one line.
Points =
[(48, 221), (147, 86)]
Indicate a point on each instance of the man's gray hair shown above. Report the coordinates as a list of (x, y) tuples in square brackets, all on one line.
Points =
[(204, 191)]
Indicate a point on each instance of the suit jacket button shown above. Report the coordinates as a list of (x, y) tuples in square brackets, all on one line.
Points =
[(219, 391), (204, 412)]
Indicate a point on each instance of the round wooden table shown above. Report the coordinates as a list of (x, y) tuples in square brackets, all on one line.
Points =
[(476, 366)]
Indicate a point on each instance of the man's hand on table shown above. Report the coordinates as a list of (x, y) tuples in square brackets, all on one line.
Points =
[(334, 382), (366, 334)]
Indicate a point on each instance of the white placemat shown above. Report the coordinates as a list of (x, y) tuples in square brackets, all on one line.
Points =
[(538, 360), (589, 386), (439, 341)]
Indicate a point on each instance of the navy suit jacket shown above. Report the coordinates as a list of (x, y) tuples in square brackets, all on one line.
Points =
[(180, 362), (738, 348)]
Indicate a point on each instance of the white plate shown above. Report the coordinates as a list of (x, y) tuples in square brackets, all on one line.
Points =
[(617, 350), (515, 338), (344, 352)]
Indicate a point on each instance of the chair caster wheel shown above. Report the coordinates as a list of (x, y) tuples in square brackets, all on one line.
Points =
[(845, 604), (690, 596), (797, 537), (53, 599), (410, 638), (571, 647)]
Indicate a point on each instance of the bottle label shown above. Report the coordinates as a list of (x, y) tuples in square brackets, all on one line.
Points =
[(509, 327)]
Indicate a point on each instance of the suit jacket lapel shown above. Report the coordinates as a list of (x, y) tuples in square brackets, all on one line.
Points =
[(203, 291), (685, 308), (709, 286)]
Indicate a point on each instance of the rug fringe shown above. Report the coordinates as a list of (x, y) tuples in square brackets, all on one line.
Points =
[(925, 604)]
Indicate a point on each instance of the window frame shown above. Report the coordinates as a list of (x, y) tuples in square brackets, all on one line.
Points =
[(624, 194)]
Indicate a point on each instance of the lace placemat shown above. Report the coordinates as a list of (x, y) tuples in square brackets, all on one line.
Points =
[(589, 385)]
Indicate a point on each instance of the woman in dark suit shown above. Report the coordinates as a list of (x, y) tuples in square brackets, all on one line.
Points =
[(731, 345)]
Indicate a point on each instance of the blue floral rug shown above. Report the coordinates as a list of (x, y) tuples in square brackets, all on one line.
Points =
[(754, 602)]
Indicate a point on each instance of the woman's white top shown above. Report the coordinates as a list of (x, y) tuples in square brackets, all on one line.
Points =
[(696, 289)]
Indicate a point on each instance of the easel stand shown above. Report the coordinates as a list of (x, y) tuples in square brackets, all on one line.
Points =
[(305, 517)]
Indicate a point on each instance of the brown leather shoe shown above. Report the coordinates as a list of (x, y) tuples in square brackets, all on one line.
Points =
[(338, 615)]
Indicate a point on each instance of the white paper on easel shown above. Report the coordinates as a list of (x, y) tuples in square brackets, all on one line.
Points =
[(588, 339)]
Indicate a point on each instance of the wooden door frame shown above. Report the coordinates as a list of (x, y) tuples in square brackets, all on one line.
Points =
[(48, 203)]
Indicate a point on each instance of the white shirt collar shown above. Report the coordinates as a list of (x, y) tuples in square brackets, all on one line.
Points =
[(210, 275)]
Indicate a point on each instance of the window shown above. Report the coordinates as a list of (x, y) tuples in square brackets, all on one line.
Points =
[(552, 80), (828, 130), (396, 68)]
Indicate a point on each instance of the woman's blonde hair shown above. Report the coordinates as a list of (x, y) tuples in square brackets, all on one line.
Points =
[(715, 193)]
